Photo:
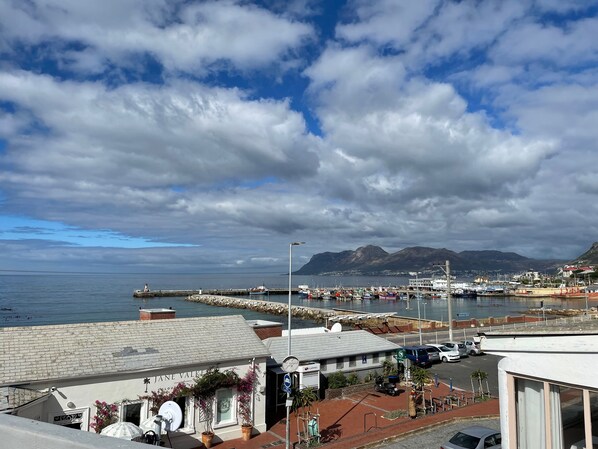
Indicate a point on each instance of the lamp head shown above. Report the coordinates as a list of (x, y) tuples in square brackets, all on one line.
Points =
[(297, 243)]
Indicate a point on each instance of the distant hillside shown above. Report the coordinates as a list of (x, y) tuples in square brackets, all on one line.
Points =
[(590, 257), (373, 260)]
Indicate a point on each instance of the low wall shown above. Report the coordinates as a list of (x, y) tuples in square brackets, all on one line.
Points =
[(334, 393)]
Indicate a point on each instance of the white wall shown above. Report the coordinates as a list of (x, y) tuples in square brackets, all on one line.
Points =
[(114, 389)]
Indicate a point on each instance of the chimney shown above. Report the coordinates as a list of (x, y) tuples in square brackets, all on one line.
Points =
[(156, 314), (265, 329)]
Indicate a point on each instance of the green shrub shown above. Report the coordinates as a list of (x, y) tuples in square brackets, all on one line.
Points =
[(353, 379), (337, 380)]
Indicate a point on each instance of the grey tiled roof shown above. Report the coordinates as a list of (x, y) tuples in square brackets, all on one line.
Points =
[(91, 349), (328, 345)]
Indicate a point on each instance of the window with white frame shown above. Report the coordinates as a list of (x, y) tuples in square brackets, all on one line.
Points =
[(352, 360), (340, 363), (226, 408), (132, 412), (375, 357)]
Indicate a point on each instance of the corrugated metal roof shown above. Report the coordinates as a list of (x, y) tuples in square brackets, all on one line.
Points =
[(37, 353), (329, 345)]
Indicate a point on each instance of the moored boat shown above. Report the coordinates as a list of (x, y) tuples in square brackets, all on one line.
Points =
[(259, 290)]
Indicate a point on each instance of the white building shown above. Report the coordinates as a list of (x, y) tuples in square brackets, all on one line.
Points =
[(56, 373), (548, 387)]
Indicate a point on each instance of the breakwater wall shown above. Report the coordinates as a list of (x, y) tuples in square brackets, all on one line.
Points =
[(273, 308)]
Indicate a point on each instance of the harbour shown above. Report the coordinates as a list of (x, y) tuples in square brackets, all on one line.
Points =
[(29, 299)]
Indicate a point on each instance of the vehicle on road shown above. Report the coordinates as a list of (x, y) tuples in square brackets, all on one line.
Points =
[(446, 354), (472, 347), (474, 437), (433, 354), (456, 346), (418, 355)]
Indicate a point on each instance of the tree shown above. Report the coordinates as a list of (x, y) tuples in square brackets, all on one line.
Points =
[(303, 399), (480, 376), (420, 377)]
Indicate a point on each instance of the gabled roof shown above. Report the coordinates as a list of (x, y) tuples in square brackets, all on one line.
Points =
[(42, 353), (315, 347)]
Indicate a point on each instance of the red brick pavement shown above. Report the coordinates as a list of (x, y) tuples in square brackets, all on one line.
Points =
[(358, 421)]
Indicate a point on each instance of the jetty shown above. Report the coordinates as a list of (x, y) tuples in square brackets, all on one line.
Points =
[(218, 292)]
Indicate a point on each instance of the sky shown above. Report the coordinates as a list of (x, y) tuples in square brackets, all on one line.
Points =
[(205, 136)]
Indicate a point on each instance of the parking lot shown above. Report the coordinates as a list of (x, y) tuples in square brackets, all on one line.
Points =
[(457, 373)]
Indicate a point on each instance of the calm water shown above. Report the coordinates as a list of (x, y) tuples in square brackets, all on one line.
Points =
[(37, 299)]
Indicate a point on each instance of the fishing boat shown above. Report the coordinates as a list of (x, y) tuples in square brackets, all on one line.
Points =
[(259, 290)]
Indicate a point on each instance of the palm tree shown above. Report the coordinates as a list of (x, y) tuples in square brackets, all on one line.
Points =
[(480, 376), (420, 377)]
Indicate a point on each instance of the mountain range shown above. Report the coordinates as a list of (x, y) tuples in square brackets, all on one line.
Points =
[(373, 260)]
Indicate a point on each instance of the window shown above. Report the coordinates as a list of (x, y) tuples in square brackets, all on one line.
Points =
[(182, 402), (225, 408), (375, 358), (546, 411), (364, 359), (340, 363), (132, 412), (323, 365), (571, 429), (352, 360), (530, 414)]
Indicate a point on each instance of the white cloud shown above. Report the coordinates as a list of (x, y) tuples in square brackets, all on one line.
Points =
[(450, 124), (183, 36)]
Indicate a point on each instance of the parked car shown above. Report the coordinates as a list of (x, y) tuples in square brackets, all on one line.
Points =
[(446, 354), (472, 347), (433, 354), (418, 355), (456, 346), (474, 437)]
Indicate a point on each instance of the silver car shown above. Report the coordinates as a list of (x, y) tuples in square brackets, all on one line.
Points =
[(474, 437), (472, 347), (433, 353), (458, 346)]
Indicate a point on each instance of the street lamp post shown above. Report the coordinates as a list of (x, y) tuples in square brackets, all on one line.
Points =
[(419, 320), (447, 271), (288, 401)]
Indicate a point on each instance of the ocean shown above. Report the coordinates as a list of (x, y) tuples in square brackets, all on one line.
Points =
[(31, 299)]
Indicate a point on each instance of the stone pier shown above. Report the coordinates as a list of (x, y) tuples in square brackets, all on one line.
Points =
[(274, 308)]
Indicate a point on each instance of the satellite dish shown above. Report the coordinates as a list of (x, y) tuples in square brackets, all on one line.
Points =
[(172, 415), (336, 327)]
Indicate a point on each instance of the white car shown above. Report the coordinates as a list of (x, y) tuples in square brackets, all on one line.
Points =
[(446, 354), (472, 347)]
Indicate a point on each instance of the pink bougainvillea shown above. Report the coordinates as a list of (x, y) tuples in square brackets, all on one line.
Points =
[(105, 415)]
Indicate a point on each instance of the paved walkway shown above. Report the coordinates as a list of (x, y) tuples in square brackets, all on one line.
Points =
[(359, 421)]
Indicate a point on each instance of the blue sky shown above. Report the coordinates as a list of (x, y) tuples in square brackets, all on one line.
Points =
[(207, 135)]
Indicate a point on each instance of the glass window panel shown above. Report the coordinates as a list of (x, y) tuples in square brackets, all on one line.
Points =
[(132, 413), (224, 406), (594, 414), (530, 414), (572, 416)]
